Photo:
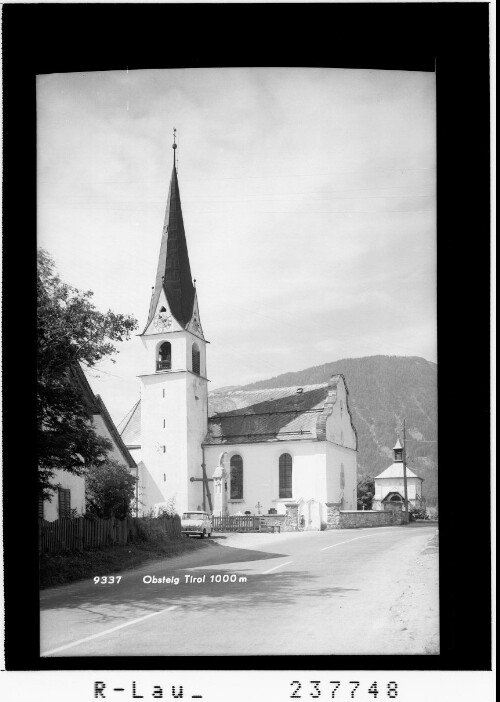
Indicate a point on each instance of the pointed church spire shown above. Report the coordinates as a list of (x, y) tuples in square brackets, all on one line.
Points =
[(174, 272)]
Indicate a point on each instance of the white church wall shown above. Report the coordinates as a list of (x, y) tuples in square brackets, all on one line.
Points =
[(68, 481), (196, 406), (384, 486), (351, 479), (338, 457), (309, 472), (164, 438), (261, 473), (338, 425), (149, 492)]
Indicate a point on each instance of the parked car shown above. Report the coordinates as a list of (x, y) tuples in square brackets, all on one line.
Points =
[(196, 523)]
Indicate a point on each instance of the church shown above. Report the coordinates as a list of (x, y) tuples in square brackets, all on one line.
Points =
[(236, 451), (68, 499)]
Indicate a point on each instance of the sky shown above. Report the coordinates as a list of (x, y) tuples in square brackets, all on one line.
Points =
[(308, 198)]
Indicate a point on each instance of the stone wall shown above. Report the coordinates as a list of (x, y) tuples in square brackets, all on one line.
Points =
[(365, 518), (268, 521), (356, 519), (291, 517), (333, 515), (336, 518)]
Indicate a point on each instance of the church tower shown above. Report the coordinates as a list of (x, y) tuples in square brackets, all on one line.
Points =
[(174, 396)]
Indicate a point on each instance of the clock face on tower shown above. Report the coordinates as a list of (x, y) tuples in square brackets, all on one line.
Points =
[(163, 322)]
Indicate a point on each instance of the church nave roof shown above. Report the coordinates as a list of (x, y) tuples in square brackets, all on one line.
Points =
[(249, 416)]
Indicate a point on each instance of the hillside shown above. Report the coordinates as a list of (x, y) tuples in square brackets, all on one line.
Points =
[(382, 391)]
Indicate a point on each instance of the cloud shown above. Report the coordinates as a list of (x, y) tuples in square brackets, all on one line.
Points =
[(308, 199)]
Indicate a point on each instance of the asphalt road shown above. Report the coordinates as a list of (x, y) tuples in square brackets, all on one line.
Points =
[(362, 591)]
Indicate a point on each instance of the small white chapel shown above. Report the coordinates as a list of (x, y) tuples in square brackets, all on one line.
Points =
[(389, 485), (236, 451)]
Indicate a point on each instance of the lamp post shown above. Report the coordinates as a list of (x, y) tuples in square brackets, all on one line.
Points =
[(405, 484)]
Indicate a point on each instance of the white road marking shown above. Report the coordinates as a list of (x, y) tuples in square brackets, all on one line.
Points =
[(278, 566), (368, 536), (108, 631)]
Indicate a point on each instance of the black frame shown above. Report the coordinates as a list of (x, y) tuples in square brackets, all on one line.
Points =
[(400, 36)]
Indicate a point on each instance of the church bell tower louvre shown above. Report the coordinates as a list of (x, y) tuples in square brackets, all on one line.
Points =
[(174, 395)]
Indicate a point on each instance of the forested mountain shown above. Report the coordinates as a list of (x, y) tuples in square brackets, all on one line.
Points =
[(383, 390)]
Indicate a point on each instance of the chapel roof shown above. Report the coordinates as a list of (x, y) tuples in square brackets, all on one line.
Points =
[(173, 274), (396, 471)]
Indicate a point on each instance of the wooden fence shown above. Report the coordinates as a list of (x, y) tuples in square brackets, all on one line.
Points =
[(236, 523), (81, 533)]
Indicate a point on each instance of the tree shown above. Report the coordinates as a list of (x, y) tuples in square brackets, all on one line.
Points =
[(71, 331), (366, 492), (109, 490)]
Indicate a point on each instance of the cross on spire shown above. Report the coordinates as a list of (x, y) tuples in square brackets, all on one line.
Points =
[(174, 145)]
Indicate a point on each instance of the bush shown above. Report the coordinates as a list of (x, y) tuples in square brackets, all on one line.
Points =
[(149, 530), (164, 509), (416, 513), (109, 490), (365, 493)]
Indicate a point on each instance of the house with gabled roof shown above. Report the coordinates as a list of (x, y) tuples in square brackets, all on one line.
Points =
[(231, 451), (69, 496)]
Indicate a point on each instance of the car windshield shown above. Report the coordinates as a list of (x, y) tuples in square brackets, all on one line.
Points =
[(193, 515)]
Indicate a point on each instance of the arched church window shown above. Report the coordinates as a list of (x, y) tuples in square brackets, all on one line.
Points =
[(285, 475), (196, 359), (164, 360), (236, 477)]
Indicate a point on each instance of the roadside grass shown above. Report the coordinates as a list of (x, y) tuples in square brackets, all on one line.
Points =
[(61, 568)]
